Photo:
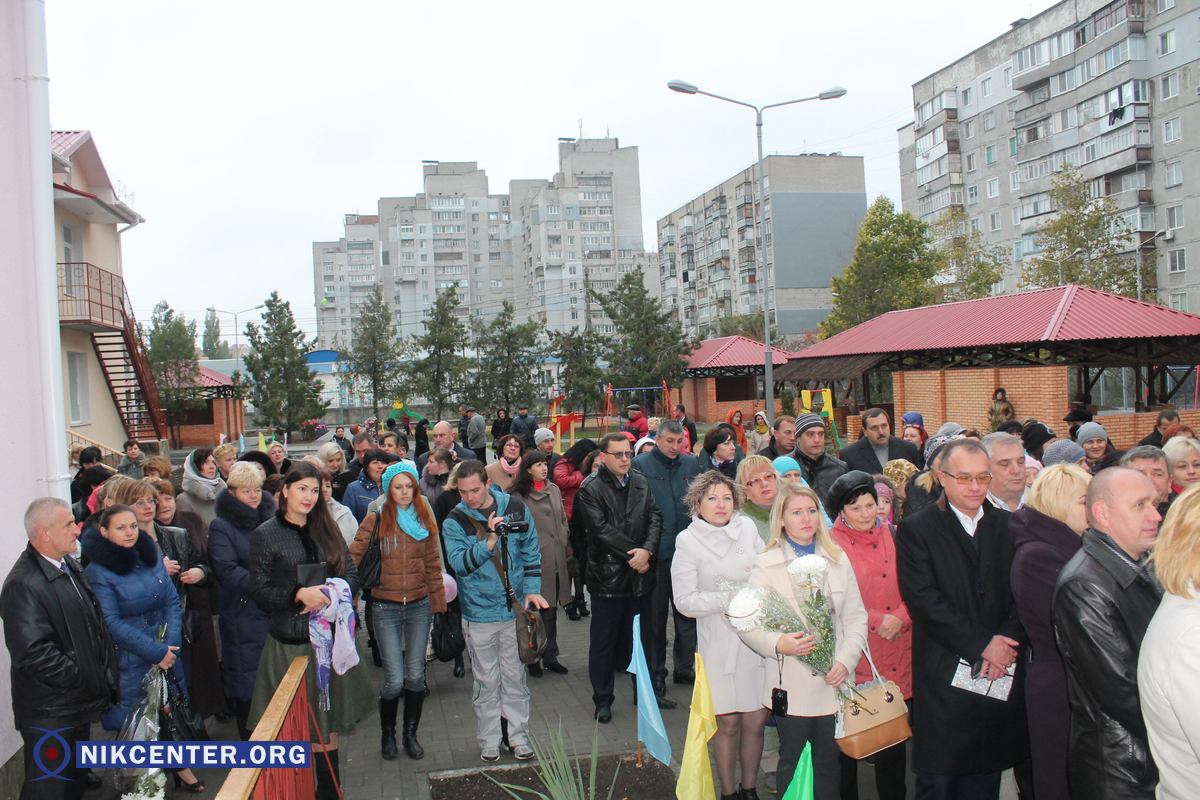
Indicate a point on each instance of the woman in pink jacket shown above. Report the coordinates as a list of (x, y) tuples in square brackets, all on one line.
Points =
[(868, 543)]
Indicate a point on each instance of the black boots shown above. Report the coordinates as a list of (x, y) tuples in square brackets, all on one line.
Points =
[(328, 780), (413, 701), (387, 724)]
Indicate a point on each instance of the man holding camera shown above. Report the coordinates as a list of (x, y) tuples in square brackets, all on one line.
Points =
[(492, 548), (622, 524)]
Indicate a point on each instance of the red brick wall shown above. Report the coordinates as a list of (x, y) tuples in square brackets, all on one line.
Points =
[(228, 418), (699, 395), (1126, 430), (964, 396)]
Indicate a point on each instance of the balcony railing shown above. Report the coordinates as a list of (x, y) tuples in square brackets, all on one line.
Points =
[(90, 295)]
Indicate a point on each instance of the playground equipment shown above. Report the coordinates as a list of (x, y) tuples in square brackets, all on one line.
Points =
[(825, 411)]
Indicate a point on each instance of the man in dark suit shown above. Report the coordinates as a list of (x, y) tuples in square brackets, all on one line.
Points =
[(953, 562), (63, 664), (877, 445), (1165, 426)]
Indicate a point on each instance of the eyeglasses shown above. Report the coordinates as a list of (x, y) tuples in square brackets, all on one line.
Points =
[(966, 479), (145, 501), (621, 454), (762, 480)]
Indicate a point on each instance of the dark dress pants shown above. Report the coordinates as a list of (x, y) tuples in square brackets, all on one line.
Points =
[(985, 786), (67, 785), (685, 631), (611, 641), (891, 771)]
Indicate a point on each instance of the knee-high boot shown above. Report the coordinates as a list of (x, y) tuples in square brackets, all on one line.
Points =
[(413, 702), (328, 780), (387, 726)]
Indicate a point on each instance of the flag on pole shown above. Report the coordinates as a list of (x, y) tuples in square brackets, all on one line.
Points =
[(651, 730), (221, 439), (695, 772), (262, 442), (241, 443), (801, 787), (285, 440)]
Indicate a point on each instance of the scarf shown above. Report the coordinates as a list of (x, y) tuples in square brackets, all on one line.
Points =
[(509, 469), (331, 634), (410, 523), (539, 485), (196, 484)]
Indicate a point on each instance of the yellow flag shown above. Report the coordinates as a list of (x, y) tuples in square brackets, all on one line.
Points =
[(695, 773), (262, 443)]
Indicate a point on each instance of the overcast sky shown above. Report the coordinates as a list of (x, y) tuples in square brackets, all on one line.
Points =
[(245, 130)]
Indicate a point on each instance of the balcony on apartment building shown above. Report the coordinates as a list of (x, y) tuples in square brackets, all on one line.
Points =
[(1100, 31), (90, 298)]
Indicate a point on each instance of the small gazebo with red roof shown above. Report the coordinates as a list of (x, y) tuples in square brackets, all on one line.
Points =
[(725, 374)]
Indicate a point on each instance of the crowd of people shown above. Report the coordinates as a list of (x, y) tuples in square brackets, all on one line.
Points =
[(1059, 568)]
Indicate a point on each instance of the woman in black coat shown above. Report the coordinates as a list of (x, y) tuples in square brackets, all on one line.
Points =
[(501, 426), (241, 508), (1046, 533)]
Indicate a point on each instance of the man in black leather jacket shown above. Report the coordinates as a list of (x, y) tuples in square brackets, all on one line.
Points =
[(64, 672), (820, 468), (1103, 603), (622, 524)]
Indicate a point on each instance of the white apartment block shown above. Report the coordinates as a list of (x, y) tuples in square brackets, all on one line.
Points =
[(344, 272), (1112, 88), (812, 207), (581, 230)]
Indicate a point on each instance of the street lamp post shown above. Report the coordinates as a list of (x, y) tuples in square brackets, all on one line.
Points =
[(1078, 251), (832, 93), (237, 350)]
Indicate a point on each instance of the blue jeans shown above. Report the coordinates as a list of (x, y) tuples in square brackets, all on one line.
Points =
[(402, 632)]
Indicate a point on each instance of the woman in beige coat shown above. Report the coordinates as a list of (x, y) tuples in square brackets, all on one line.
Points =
[(504, 470), (543, 498), (717, 550), (798, 529)]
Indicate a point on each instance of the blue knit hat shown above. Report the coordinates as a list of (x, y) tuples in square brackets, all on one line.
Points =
[(785, 464), (913, 418), (392, 471)]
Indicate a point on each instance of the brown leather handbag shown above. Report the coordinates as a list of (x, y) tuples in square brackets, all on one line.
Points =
[(874, 717)]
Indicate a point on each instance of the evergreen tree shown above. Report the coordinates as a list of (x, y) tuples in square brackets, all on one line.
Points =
[(1084, 242), (507, 359), (579, 373), (748, 325), (282, 388), (647, 346), (171, 349), (212, 345), (892, 268), (438, 369), (373, 364), (968, 268)]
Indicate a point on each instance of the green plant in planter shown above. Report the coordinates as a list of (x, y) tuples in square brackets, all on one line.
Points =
[(559, 771)]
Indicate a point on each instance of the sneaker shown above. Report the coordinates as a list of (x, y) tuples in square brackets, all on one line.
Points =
[(490, 755), (522, 752)]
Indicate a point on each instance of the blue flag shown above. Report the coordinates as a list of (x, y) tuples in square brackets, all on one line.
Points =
[(651, 731), (241, 443)]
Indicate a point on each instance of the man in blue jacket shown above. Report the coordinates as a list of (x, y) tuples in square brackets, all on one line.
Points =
[(669, 472), (489, 598)]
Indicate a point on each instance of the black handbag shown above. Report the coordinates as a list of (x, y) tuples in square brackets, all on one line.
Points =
[(371, 565), (447, 634), (180, 722)]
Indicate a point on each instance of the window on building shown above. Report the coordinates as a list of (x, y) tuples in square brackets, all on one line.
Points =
[(974, 224), (1166, 42), (993, 188), (985, 87), (1014, 180), (1012, 146), (1168, 86), (989, 121), (989, 155), (1177, 260), (1174, 217), (1173, 173), (965, 96), (1165, 5), (971, 162), (1179, 301), (968, 129), (77, 388), (1172, 130), (994, 221), (1008, 76), (972, 195)]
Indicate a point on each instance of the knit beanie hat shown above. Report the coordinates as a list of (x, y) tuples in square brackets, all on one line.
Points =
[(1035, 435), (933, 445), (541, 435), (785, 464), (808, 420), (913, 418), (1061, 451), (949, 430), (1090, 430), (392, 471)]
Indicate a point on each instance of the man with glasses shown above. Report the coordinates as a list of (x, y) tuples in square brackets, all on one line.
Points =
[(954, 559), (669, 471), (622, 524)]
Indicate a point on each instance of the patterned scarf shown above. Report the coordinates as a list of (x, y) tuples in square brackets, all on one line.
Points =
[(331, 634)]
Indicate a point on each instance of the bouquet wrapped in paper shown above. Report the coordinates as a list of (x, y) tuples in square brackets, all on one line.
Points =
[(142, 725)]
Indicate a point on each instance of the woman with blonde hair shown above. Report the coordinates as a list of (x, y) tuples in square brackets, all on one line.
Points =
[(1046, 532), (226, 456), (333, 458), (798, 529), (1183, 459), (1169, 661)]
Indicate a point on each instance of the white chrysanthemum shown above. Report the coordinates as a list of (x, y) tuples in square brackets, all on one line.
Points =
[(745, 609), (810, 565)]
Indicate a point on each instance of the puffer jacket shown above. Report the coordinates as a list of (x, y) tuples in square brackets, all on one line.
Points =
[(669, 479), (480, 592), (616, 520), (409, 570), (136, 596), (1101, 609), (277, 547), (243, 625)]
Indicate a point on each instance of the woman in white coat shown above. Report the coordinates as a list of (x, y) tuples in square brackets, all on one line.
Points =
[(798, 529), (1169, 662), (714, 553)]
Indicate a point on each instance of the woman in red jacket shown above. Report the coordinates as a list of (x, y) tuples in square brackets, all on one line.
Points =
[(853, 502), (567, 476)]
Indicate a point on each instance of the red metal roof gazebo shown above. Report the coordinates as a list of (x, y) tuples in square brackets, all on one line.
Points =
[(731, 356)]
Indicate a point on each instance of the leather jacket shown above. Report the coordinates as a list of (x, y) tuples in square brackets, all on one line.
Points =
[(1101, 609), (617, 519), (176, 544), (821, 472), (64, 666)]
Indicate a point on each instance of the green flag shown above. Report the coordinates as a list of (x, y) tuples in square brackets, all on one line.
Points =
[(801, 787)]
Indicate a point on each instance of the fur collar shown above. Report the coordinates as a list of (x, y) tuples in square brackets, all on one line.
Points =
[(242, 516), (113, 557)]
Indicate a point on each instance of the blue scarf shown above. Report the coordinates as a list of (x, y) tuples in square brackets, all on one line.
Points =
[(803, 549), (407, 517)]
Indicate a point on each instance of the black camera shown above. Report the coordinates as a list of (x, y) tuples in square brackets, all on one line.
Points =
[(512, 523)]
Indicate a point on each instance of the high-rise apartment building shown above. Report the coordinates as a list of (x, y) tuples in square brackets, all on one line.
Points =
[(813, 206), (581, 230), (344, 272), (1111, 88)]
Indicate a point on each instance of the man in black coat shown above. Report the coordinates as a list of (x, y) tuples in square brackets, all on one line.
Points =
[(783, 438), (64, 670), (1165, 426), (1103, 603), (820, 468), (622, 524), (954, 559), (443, 436), (877, 445), (690, 427)]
